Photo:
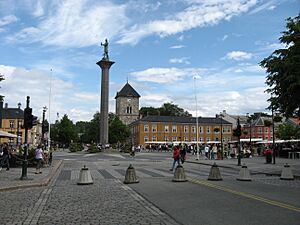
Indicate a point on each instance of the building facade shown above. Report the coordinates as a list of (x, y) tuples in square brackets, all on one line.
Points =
[(12, 120), (127, 104), (179, 129), (261, 127)]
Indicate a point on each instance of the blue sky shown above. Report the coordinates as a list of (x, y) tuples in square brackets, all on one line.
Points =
[(168, 50)]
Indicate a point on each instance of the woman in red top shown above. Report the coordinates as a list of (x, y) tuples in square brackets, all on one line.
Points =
[(176, 157)]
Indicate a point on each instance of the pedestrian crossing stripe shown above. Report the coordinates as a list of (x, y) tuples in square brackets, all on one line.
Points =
[(247, 195)]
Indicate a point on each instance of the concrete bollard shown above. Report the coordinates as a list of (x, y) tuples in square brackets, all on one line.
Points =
[(244, 174), (130, 176), (179, 175), (214, 173), (286, 173), (85, 176)]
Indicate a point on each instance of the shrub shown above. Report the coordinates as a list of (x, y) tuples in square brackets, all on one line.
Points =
[(93, 148), (75, 147)]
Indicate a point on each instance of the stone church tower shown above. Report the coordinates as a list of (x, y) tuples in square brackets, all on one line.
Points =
[(127, 104)]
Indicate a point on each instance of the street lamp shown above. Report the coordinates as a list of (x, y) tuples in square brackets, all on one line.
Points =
[(18, 124), (43, 125), (49, 112), (250, 126), (273, 131), (239, 140), (197, 144), (221, 116)]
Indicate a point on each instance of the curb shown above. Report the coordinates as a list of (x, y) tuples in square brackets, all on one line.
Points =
[(44, 182)]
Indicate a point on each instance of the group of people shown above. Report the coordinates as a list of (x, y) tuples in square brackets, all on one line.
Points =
[(179, 156), (39, 156)]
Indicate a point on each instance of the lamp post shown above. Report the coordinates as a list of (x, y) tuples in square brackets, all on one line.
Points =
[(221, 117), (239, 141), (49, 112), (25, 154), (197, 144), (273, 136), (43, 125), (18, 124), (250, 127)]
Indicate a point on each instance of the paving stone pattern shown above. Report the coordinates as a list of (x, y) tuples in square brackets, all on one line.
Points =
[(105, 202), (16, 206)]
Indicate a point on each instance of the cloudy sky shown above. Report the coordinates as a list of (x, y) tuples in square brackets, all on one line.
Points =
[(169, 51)]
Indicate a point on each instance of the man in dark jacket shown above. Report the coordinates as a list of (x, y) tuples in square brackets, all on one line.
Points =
[(5, 159)]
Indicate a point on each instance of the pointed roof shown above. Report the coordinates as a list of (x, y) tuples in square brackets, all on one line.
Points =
[(127, 91)]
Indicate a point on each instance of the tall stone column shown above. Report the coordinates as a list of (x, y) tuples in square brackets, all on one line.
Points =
[(104, 64)]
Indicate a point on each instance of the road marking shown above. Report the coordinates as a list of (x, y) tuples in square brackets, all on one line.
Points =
[(115, 155), (247, 195)]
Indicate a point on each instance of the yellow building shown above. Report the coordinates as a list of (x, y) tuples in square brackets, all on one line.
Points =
[(11, 121), (170, 129)]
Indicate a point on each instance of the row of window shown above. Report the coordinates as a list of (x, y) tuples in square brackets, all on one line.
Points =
[(14, 123), (260, 130), (174, 129), (185, 139)]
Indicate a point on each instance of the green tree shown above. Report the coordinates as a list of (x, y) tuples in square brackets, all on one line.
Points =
[(82, 128), (287, 131), (167, 109), (93, 132), (149, 111), (118, 132), (283, 68), (64, 131)]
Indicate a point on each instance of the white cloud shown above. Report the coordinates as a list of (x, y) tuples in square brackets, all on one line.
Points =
[(20, 82), (224, 37), (165, 75), (8, 20), (39, 10), (237, 89), (270, 5), (196, 15), (181, 38), (183, 60), (75, 24), (154, 100), (177, 46), (238, 55)]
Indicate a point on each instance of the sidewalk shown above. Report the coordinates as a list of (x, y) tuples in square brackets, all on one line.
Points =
[(256, 165), (10, 180)]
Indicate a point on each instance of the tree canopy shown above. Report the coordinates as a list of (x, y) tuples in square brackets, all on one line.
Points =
[(118, 132), (283, 68), (64, 131), (287, 131), (167, 109)]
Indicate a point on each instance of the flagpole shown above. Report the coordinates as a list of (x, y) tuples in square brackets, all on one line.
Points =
[(49, 112)]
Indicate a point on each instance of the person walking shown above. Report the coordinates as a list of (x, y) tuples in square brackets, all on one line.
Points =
[(206, 150), (176, 157), (213, 152), (183, 154), (6, 156), (39, 156)]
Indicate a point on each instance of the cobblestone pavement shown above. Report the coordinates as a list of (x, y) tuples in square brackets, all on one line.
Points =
[(107, 202)]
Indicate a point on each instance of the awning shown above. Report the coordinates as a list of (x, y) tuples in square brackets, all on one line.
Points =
[(7, 135)]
